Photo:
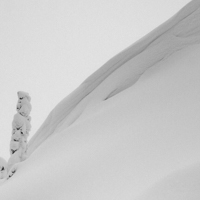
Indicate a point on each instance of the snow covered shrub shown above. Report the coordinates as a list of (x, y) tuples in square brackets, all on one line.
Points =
[(20, 129), (3, 168)]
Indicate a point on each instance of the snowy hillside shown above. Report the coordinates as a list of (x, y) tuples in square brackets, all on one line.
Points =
[(130, 131)]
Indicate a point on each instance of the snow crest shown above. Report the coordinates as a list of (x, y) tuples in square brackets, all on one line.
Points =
[(123, 70)]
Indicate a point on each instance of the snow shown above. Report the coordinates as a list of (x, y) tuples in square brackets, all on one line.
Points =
[(125, 68), (20, 131), (3, 168), (178, 185), (130, 131), (20, 121)]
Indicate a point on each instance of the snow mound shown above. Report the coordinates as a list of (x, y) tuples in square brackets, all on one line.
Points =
[(128, 130), (123, 70)]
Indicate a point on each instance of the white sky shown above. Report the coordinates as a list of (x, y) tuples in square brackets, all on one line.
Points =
[(48, 47)]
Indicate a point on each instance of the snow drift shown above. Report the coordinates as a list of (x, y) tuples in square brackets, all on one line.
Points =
[(129, 125), (124, 69)]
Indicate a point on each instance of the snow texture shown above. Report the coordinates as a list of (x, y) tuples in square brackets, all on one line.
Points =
[(130, 131)]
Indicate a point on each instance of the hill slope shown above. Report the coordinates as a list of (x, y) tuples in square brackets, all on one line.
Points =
[(128, 126), (125, 69)]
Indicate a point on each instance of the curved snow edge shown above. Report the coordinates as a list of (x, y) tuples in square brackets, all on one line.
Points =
[(144, 48)]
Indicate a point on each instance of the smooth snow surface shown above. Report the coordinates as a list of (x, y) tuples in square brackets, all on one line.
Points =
[(130, 131), (183, 184)]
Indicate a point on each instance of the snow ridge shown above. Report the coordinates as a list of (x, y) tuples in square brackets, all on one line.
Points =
[(124, 70)]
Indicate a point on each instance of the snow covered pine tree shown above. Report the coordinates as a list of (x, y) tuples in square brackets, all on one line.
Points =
[(20, 129)]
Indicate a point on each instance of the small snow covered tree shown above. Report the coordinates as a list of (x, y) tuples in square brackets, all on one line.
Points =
[(20, 129)]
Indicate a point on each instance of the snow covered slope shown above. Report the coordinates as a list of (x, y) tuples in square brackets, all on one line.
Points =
[(124, 69), (182, 184), (129, 131)]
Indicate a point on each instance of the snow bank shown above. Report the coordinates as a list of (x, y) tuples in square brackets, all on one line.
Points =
[(123, 146), (124, 69), (130, 125)]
